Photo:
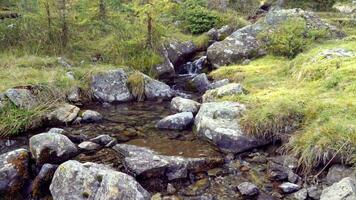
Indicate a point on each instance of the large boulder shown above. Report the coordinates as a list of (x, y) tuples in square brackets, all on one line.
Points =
[(179, 121), (342, 190), (145, 163), (63, 114), (73, 180), (178, 52), (91, 116), (244, 43), (219, 123), (226, 90), (180, 104), (200, 83), (14, 172), (164, 71), (22, 98), (51, 147), (156, 90), (338, 172), (111, 86)]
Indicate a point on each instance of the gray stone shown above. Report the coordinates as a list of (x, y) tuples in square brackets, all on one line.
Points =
[(226, 90), (314, 192), (22, 98), (165, 70), (63, 114), (146, 163), (51, 148), (14, 172), (156, 90), (217, 84), (200, 83), (56, 130), (345, 7), (213, 34), (289, 187), (335, 53), (218, 123), (178, 51), (89, 146), (180, 104), (70, 75), (91, 116), (74, 95), (40, 186), (179, 121), (286, 161), (277, 172), (111, 86), (338, 172), (248, 189), (90, 181), (244, 43), (224, 32), (342, 190), (102, 140), (301, 194)]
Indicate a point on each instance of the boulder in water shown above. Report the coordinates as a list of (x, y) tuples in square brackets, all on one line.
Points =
[(179, 121), (156, 90), (218, 123), (73, 180), (64, 114), (111, 86), (14, 172), (178, 52), (180, 104), (200, 83), (91, 116)]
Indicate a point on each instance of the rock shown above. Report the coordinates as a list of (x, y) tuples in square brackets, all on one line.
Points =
[(178, 52), (286, 161), (345, 8), (164, 71), (314, 192), (338, 172), (14, 172), (218, 123), (244, 43), (277, 172), (342, 190), (335, 53), (111, 86), (73, 180), (289, 187), (91, 116), (200, 83), (248, 189), (64, 62), (22, 98), (213, 34), (70, 75), (102, 140), (156, 90), (217, 84), (64, 114), (180, 104), (179, 121), (226, 90), (40, 186), (3, 100), (89, 146), (145, 163), (171, 189), (224, 32), (52, 148), (301, 194), (56, 130), (75, 95)]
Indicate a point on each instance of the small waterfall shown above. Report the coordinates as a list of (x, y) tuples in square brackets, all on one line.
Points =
[(195, 67)]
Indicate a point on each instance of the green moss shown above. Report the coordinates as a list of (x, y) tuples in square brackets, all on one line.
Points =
[(136, 84)]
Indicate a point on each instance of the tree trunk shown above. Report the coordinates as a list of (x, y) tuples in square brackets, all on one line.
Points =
[(49, 21), (149, 31)]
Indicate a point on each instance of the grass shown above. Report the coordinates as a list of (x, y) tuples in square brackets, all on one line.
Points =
[(311, 97), (136, 84)]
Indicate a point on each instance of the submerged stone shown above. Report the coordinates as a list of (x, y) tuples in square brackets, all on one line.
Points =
[(179, 121)]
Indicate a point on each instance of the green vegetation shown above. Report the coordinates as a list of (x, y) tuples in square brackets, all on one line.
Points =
[(136, 83), (309, 96)]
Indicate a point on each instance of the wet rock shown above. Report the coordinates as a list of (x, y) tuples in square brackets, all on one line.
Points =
[(226, 90), (218, 123), (248, 189), (217, 84), (143, 162), (301, 194), (14, 172), (244, 43), (75, 95), (338, 172), (289, 187), (102, 140), (89, 146), (111, 86), (342, 190), (73, 180), (51, 148), (277, 172), (179, 121), (40, 186), (22, 98), (91, 116), (286, 161), (180, 104), (314, 192), (165, 70), (178, 52), (200, 83), (156, 90), (63, 114)]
